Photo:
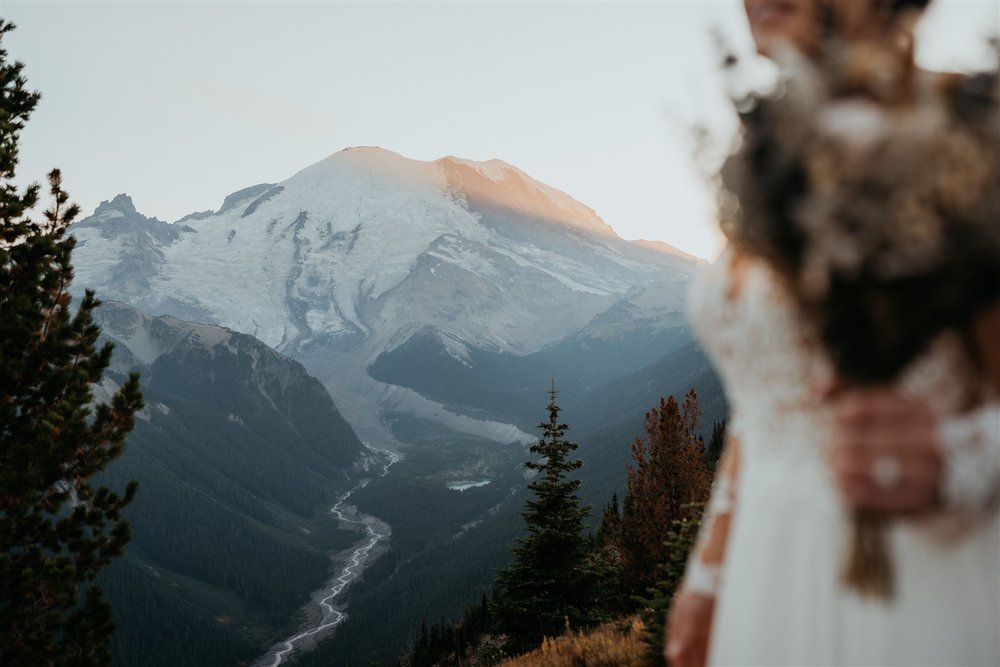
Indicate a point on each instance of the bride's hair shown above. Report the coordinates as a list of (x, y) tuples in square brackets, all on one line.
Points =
[(900, 5), (887, 10)]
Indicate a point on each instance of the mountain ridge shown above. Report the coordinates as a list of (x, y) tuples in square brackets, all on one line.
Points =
[(238, 454), (354, 255)]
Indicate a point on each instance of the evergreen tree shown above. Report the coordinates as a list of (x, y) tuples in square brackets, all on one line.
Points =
[(56, 530), (669, 479), (714, 450), (653, 609), (610, 519), (553, 578), (467, 633)]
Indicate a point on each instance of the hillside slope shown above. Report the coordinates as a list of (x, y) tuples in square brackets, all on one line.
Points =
[(238, 453)]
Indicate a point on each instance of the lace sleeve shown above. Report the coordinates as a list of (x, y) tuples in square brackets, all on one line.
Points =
[(971, 455), (702, 573)]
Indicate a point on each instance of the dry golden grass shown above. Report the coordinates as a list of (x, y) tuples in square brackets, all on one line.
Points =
[(615, 644)]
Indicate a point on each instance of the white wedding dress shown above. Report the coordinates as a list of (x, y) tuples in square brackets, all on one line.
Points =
[(780, 598)]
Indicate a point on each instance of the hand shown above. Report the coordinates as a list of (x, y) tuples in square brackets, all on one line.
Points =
[(688, 626), (885, 454)]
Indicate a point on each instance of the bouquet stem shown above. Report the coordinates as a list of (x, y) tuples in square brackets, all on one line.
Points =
[(869, 566)]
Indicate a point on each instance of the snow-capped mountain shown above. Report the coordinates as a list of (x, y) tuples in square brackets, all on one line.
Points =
[(354, 257)]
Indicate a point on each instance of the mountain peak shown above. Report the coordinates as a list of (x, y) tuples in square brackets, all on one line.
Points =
[(497, 183), (355, 151), (493, 169), (366, 160), (492, 182), (121, 203), (373, 156)]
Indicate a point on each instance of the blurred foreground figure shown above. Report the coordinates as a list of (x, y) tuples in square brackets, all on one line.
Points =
[(855, 318)]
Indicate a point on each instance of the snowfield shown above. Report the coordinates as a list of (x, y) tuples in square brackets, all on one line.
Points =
[(354, 255)]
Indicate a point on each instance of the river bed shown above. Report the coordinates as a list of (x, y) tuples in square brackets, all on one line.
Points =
[(323, 613)]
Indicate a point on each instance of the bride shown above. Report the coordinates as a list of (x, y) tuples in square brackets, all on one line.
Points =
[(764, 584)]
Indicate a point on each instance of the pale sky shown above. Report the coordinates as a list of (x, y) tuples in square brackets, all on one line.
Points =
[(178, 104)]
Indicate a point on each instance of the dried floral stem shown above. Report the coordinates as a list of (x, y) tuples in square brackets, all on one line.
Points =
[(869, 568)]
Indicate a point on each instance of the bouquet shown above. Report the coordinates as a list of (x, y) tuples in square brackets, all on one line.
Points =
[(874, 191)]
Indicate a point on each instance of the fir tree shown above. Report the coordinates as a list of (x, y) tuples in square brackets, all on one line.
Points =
[(56, 529), (714, 449), (610, 519), (669, 478), (553, 578)]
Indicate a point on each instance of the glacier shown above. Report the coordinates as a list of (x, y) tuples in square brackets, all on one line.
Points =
[(353, 256)]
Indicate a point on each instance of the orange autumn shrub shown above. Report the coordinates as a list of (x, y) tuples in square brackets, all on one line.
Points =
[(615, 644)]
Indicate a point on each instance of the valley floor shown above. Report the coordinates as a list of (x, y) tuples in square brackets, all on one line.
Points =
[(322, 613)]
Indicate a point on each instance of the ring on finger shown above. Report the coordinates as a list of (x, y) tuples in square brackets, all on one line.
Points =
[(885, 472)]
